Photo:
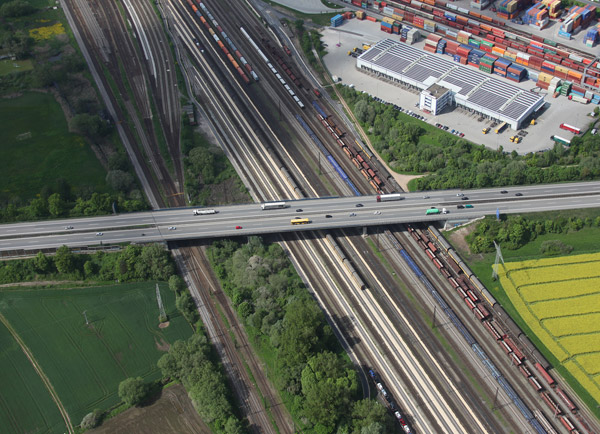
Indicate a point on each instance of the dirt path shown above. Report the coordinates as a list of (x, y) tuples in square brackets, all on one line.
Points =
[(40, 372)]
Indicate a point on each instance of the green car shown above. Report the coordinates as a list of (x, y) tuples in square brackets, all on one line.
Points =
[(468, 205)]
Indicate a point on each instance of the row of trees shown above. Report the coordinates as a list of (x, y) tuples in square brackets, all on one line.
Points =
[(515, 231), (194, 364), (134, 263), (62, 200), (284, 319), (456, 163)]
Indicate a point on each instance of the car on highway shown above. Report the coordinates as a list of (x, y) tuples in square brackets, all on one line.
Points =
[(460, 206), (503, 191), (299, 210), (68, 227), (172, 228), (377, 212), (460, 194), (464, 198), (99, 234), (352, 214), (425, 197), (328, 216), (519, 194), (238, 227), (468, 205), (359, 205)]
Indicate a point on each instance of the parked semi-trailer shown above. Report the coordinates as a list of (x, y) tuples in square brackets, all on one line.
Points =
[(561, 140), (571, 128), (389, 197)]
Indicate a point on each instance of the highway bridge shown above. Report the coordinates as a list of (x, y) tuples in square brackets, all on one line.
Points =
[(323, 213)]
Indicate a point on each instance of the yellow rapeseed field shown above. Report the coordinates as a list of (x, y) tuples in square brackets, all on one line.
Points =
[(47, 32), (559, 298), (559, 308)]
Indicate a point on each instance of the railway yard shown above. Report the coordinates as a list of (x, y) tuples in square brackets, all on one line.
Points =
[(423, 332)]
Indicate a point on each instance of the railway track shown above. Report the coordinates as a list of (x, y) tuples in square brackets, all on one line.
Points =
[(115, 49), (236, 43)]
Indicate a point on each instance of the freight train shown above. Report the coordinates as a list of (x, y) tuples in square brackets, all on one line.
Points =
[(328, 155), (468, 337), (359, 162), (265, 59), (206, 22), (461, 268), (464, 285)]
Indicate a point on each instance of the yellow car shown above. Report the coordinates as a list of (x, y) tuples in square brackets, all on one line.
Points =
[(486, 130)]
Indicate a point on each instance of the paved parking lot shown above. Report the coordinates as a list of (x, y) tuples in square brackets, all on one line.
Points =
[(355, 33), (307, 6)]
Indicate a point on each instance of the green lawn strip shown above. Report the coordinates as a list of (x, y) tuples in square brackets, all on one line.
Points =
[(22, 143), (25, 403), (85, 364), (583, 241), (262, 397), (15, 66)]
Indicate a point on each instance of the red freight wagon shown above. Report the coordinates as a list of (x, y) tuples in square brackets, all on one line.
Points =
[(562, 395), (526, 373), (472, 296), (550, 403), (547, 377), (488, 325)]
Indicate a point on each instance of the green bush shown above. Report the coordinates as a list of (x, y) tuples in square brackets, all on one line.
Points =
[(555, 248)]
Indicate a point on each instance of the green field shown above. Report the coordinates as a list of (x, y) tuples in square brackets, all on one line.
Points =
[(84, 363), (37, 149), (14, 66)]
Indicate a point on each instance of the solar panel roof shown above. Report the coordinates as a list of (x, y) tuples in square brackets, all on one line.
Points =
[(470, 86)]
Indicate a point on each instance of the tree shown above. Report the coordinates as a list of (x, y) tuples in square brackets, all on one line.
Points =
[(328, 386), (56, 205), (361, 110), (89, 125), (42, 263), (369, 412), (132, 391), (185, 304), (154, 263), (119, 180), (91, 419), (176, 284), (64, 260), (16, 8)]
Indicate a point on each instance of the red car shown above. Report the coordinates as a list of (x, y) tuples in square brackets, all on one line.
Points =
[(238, 227)]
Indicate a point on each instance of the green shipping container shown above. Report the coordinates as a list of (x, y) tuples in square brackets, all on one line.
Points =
[(474, 42), (488, 43)]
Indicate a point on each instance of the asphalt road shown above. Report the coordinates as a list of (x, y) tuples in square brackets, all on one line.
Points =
[(154, 226)]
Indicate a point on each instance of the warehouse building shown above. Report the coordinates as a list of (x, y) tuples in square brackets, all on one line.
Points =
[(468, 87)]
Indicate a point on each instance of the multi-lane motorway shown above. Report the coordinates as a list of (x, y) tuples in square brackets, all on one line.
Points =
[(179, 224)]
